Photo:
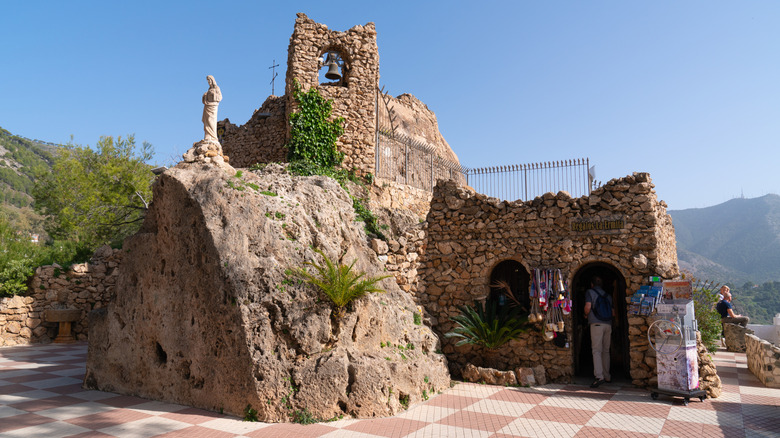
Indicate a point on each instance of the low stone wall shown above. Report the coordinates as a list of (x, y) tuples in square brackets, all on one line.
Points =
[(528, 351), (84, 286), (735, 337), (402, 257), (261, 139), (763, 360)]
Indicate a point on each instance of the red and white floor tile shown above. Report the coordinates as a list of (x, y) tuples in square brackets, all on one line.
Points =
[(41, 396)]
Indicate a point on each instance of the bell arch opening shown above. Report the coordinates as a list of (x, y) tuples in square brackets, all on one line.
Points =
[(333, 68), (614, 284), (509, 283)]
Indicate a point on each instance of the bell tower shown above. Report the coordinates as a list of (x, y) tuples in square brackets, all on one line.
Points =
[(351, 60)]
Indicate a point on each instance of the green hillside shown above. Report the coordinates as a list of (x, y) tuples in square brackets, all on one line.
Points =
[(760, 302), (20, 160), (736, 242)]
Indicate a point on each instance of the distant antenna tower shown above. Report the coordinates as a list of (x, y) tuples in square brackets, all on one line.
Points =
[(274, 74)]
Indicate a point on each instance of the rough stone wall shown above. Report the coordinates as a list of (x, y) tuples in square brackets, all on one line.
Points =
[(402, 257), (735, 337), (261, 139), (469, 234), (763, 360), (666, 241), (356, 100), (393, 195), (86, 286), (643, 361), (708, 374)]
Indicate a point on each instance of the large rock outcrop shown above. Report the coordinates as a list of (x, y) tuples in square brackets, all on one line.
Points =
[(413, 119), (206, 315)]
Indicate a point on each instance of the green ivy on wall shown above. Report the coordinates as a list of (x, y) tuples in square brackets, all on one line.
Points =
[(312, 136)]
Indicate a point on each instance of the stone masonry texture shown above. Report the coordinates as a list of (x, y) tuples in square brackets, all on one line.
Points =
[(468, 234)]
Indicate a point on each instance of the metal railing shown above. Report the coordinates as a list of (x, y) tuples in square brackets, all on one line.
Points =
[(407, 161), (527, 181)]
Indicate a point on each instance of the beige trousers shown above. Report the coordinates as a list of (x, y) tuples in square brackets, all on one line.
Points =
[(600, 338)]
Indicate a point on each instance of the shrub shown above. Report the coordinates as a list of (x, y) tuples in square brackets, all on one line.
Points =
[(339, 282), (250, 414), (705, 297), (488, 325)]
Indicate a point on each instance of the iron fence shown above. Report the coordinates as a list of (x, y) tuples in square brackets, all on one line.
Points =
[(404, 160), (527, 181), (411, 162)]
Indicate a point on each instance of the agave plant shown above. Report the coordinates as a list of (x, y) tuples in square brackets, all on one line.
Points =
[(488, 325), (339, 282)]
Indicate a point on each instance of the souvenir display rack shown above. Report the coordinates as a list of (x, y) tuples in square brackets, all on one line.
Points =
[(673, 337)]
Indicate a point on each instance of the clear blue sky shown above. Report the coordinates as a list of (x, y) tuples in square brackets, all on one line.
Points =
[(688, 91)]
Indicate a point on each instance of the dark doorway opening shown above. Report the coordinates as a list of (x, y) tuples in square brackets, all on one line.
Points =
[(518, 279), (615, 285)]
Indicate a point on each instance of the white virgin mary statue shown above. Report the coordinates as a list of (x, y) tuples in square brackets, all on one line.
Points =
[(211, 100)]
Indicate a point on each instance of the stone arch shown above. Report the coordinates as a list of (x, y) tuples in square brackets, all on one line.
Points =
[(615, 283), (594, 259), (517, 276), (344, 68)]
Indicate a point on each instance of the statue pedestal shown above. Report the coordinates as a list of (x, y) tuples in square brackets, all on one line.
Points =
[(206, 151)]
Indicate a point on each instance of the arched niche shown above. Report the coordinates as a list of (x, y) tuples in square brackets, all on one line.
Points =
[(513, 274), (340, 58)]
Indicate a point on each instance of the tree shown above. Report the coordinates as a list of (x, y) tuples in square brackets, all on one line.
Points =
[(96, 197), (18, 258)]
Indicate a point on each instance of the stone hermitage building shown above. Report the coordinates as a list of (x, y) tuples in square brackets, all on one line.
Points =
[(464, 243), (621, 232)]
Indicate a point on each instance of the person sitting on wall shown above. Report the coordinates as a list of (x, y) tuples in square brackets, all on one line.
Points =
[(727, 315)]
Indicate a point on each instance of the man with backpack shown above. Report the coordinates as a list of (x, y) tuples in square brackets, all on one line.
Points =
[(598, 310)]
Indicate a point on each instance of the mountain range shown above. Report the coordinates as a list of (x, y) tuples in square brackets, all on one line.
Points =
[(734, 242)]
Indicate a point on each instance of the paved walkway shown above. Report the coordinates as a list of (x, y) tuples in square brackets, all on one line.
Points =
[(41, 396)]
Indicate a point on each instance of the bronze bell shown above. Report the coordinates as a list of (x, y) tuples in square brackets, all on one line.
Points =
[(333, 68)]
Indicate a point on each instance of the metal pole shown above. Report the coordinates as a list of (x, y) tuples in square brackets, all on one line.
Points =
[(525, 182), (406, 163), (378, 155)]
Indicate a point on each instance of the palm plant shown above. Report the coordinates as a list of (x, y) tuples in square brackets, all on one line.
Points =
[(339, 282), (488, 325)]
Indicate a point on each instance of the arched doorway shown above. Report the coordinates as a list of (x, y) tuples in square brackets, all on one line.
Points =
[(614, 284), (514, 275)]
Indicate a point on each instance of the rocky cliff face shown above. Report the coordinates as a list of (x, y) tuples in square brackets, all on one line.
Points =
[(205, 314), (415, 120)]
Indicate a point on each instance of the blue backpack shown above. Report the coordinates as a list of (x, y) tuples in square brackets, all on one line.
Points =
[(602, 307)]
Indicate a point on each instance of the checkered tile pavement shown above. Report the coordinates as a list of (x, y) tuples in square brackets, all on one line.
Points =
[(41, 396)]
